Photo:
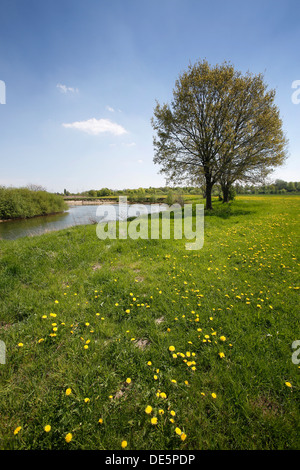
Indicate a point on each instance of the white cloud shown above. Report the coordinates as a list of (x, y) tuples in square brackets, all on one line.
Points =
[(96, 126), (109, 108), (66, 89), (131, 144)]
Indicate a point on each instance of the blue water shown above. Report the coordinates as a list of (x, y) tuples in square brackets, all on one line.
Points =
[(76, 215)]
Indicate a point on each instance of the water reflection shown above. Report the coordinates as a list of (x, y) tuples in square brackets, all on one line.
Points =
[(77, 215)]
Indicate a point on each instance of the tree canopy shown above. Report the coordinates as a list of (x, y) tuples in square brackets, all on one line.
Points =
[(221, 125)]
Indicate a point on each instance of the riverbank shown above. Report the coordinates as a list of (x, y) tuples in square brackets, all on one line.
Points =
[(88, 202), (145, 342)]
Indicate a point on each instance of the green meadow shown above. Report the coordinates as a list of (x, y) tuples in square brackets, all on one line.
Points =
[(144, 345)]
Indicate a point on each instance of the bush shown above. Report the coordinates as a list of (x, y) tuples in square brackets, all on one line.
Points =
[(24, 203)]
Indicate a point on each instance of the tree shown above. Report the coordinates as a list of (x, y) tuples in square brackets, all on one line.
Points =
[(221, 125)]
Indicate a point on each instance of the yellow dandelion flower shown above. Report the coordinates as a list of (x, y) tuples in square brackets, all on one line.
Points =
[(100, 420), (18, 429), (153, 420), (68, 437), (222, 338), (183, 436), (68, 391), (288, 384), (171, 348), (86, 400), (128, 380), (148, 409), (178, 431), (214, 395), (123, 444), (47, 428)]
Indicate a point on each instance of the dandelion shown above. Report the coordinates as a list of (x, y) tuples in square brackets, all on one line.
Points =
[(288, 384), (178, 431), (128, 380), (85, 346), (171, 348), (183, 436), (68, 437), (221, 354), (20, 345), (148, 409), (123, 444), (163, 395), (100, 420), (68, 391), (47, 428), (18, 429), (172, 413), (161, 412), (149, 363), (222, 338), (153, 420), (86, 400), (214, 395)]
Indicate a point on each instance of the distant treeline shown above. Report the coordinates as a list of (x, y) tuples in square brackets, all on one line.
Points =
[(147, 192), (152, 194), (278, 187), (24, 203)]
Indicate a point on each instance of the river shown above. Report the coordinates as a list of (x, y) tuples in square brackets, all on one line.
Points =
[(75, 215)]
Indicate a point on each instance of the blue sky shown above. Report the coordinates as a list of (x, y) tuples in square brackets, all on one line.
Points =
[(82, 77)]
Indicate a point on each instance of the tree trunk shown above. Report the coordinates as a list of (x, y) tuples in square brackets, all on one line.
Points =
[(208, 195), (225, 191)]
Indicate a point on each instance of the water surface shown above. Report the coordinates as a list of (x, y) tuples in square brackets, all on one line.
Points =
[(75, 215)]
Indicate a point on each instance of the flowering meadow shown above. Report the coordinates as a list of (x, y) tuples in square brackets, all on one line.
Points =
[(141, 344)]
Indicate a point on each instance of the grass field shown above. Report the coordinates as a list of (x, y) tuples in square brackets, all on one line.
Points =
[(145, 345)]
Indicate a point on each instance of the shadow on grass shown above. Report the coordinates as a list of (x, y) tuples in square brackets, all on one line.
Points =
[(225, 211)]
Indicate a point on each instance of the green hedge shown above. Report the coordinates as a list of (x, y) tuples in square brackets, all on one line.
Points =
[(24, 203)]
